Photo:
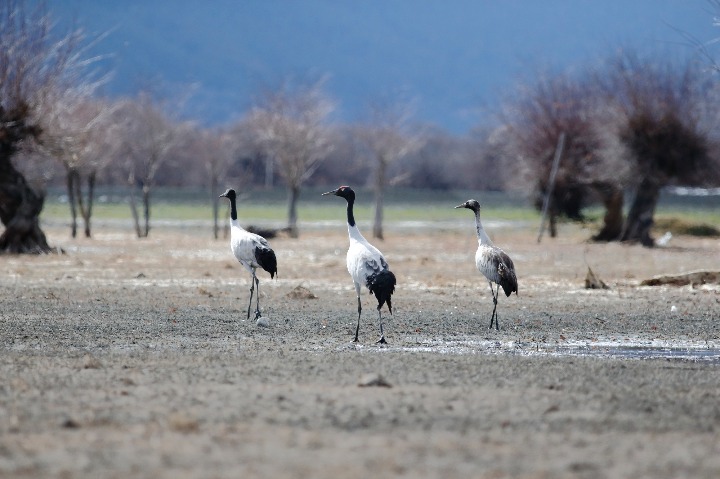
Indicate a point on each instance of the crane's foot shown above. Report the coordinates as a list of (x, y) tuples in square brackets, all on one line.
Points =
[(381, 340)]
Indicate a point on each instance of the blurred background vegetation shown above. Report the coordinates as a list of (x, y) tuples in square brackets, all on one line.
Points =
[(639, 129)]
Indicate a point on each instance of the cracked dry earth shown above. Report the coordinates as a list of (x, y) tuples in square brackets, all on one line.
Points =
[(133, 358)]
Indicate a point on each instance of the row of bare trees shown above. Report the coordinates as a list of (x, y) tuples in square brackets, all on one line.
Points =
[(632, 126), (286, 137)]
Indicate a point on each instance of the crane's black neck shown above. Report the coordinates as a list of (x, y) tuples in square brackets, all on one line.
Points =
[(350, 216), (233, 208)]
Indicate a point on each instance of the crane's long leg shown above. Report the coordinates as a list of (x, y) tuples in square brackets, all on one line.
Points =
[(357, 293), (494, 313), (357, 330), (382, 335), (252, 290), (257, 299)]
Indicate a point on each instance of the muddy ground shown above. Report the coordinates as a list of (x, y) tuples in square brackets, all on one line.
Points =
[(133, 358)]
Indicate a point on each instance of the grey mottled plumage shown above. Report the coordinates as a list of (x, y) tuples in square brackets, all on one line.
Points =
[(492, 262)]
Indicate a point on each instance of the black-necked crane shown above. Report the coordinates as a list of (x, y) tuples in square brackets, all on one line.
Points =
[(251, 250), (492, 262), (366, 264)]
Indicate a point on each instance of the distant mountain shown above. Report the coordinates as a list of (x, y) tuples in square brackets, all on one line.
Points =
[(455, 56)]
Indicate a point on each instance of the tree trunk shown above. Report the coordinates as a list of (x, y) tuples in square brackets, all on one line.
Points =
[(77, 200), (146, 209), (133, 205), (640, 217), (379, 199), (20, 209), (72, 177), (293, 195), (378, 217), (86, 207), (613, 219), (553, 219)]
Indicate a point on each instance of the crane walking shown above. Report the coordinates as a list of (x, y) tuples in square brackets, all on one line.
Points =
[(492, 262), (366, 264), (251, 250)]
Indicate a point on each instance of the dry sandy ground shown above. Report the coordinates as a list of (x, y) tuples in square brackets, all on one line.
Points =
[(133, 358)]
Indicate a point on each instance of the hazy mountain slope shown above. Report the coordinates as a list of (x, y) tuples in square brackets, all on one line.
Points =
[(454, 56)]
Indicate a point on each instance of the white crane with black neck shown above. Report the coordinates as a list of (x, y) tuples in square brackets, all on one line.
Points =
[(492, 262), (251, 250), (366, 264)]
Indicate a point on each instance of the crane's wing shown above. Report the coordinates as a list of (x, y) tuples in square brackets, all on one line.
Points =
[(506, 273), (264, 255), (363, 261)]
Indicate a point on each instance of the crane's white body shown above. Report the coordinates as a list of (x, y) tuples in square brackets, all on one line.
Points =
[(363, 259), (243, 245), (366, 264), (252, 251)]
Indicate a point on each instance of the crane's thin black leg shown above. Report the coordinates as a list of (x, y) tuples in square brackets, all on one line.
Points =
[(252, 290), (257, 299), (357, 330), (494, 317), (382, 335)]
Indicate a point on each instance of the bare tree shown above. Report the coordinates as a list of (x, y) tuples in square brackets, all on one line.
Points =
[(388, 136), (661, 128), (345, 164), (290, 124), (633, 123), (34, 63), (77, 129), (593, 164), (148, 139), (218, 150)]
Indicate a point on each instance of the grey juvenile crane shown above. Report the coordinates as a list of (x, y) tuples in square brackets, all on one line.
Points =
[(366, 264), (251, 250), (492, 262)]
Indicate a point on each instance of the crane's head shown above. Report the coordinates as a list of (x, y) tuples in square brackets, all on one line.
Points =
[(471, 205), (230, 194), (344, 191)]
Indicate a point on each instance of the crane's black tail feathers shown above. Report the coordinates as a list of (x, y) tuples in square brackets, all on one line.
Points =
[(509, 287), (267, 260), (508, 280), (382, 285)]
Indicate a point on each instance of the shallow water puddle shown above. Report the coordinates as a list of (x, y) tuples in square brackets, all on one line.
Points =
[(704, 355), (640, 349)]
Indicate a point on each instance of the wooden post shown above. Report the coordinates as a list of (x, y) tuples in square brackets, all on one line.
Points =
[(551, 183)]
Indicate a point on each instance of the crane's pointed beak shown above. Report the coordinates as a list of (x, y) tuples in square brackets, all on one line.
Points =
[(222, 196), (330, 193), (460, 206)]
